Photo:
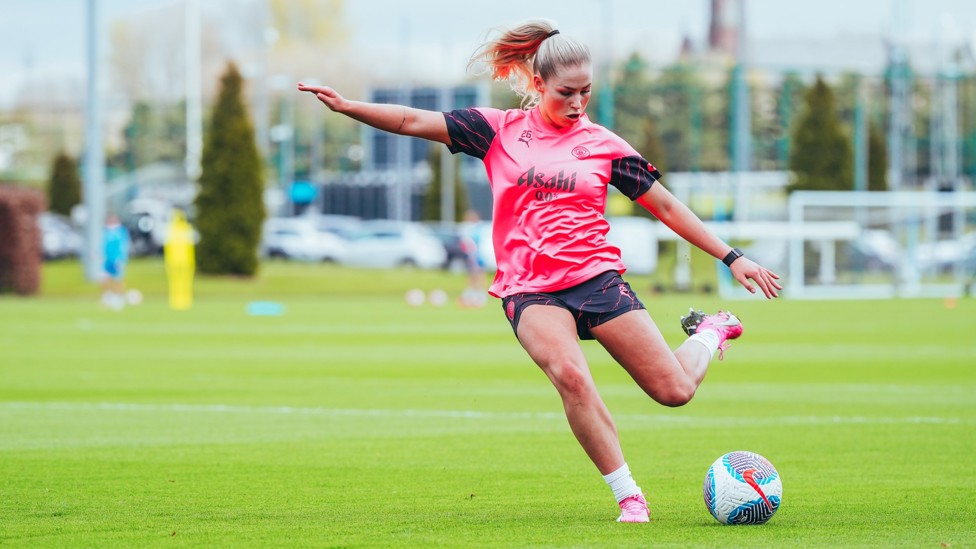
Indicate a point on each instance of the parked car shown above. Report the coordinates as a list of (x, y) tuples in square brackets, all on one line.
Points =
[(147, 220), (944, 255), (300, 239), (383, 243), (340, 225), (59, 238), (876, 250)]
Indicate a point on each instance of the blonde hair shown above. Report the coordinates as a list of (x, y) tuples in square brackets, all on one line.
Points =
[(530, 48)]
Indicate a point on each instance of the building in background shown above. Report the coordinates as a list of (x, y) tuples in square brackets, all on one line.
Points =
[(395, 171)]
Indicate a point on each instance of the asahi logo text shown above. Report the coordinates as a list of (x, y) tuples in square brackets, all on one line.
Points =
[(539, 180), (547, 185)]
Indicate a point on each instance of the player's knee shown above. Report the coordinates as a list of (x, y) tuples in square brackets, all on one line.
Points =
[(675, 395), (572, 381)]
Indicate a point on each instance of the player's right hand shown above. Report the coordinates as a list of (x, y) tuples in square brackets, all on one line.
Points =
[(328, 96), (744, 269)]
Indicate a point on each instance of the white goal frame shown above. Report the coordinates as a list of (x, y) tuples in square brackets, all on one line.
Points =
[(912, 217)]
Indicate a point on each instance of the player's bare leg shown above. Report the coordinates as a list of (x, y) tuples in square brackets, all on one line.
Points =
[(548, 334), (669, 377)]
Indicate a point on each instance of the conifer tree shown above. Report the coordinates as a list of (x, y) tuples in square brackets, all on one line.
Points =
[(230, 207), (64, 187), (822, 156)]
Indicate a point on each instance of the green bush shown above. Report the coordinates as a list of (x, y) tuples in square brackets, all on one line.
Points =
[(20, 240)]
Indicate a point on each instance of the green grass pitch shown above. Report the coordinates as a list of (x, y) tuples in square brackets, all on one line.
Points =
[(354, 420)]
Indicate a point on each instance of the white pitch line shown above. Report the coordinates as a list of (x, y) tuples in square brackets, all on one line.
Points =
[(475, 414)]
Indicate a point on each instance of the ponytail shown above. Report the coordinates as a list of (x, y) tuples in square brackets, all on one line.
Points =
[(519, 53)]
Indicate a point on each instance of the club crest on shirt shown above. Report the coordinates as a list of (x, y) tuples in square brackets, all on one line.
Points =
[(581, 152)]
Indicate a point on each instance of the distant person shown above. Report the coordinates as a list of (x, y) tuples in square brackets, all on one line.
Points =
[(117, 243), (558, 278), (476, 292)]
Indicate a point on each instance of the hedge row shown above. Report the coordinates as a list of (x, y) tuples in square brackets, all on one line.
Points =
[(20, 240)]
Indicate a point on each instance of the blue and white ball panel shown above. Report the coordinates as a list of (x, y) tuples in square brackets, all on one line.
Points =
[(742, 488), (737, 462)]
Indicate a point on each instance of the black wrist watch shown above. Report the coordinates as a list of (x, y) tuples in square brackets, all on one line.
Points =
[(736, 253)]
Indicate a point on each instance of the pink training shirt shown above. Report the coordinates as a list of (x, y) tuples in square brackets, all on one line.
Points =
[(550, 191)]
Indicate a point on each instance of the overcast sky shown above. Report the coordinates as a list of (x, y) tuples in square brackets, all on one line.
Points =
[(46, 38)]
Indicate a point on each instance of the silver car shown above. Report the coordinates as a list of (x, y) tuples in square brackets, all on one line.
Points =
[(299, 239), (384, 244), (59, 238)]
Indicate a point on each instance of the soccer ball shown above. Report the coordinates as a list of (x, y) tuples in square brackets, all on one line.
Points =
[(742, 488), (133, 297), (437, 298), (415, 297)]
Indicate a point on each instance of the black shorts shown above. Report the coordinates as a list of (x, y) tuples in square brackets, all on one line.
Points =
[(598, 300)]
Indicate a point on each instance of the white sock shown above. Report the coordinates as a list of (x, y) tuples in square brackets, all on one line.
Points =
[(708, 338), (622, 483)]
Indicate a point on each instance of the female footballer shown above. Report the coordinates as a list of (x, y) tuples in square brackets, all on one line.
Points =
[(558, 278)]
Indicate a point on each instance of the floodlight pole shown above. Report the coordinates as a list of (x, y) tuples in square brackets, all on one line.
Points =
[(94, 183), (403, 182), (899, 103), (284, 134), (742, 136), (860, 136), (194, 117)]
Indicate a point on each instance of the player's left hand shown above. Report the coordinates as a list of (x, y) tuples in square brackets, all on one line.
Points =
[(745, 269)]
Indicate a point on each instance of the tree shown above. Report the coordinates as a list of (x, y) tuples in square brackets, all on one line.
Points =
[(789, 96), (822, 157), (230, 208), (967, 112), (715, 114), (676, 105), (308, 22), (64, 187), (631, 99), (142, 61), (651, 147), (154, 133), (877, 159), (633, 119), (432, 200)]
